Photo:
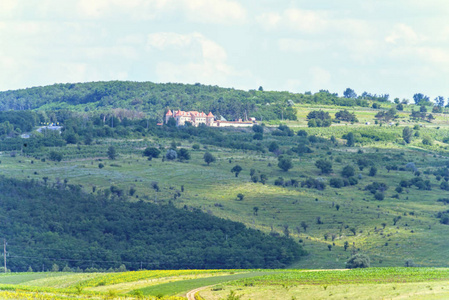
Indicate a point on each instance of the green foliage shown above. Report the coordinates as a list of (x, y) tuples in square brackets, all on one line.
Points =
[(325, 166), (208, 158), (236, 169), (358, 261), (183, 154), (407, 134), (285, 163), (112, 154), (131, 232), (344, 115), (348, 171), (55, 156), (151, 152)]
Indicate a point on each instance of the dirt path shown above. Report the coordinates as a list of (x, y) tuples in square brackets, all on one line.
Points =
[(191, 295)]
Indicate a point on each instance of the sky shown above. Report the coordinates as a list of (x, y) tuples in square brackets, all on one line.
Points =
[(398, 47)]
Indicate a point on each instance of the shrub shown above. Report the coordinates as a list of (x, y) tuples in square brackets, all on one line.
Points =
[(358, 261), (336, 183), (152, 152), (347, 171), (379, 196)]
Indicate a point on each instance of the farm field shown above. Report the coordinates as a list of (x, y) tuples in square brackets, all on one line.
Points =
[(373, 283)]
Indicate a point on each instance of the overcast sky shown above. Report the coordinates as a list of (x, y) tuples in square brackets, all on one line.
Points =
[(399, 47)]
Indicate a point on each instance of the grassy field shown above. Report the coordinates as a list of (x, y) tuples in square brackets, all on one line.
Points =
[(373, 283)]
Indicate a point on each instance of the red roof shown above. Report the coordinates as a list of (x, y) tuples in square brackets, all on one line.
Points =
[(210, 114), (169, 113)]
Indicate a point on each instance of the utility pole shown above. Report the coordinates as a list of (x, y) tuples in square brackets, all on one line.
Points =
[(4, 252)]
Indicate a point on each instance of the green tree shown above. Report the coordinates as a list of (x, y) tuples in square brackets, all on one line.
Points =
[(112, 154), (324, 165), (151, 152), (350, 139), (236, 169), (358, 260), (348, 171), (285, 163), (372, 171), (55, 156), (407, 134), (208, 158), (183, 154)]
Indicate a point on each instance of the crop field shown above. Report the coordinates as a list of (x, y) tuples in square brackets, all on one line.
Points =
[(373, 283)]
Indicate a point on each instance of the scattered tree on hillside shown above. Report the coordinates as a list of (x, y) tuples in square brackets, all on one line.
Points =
[(55, 156), (151, 152), (324, 165), (407, 134), (112, 154), (208, 158), (344, 115), (236, 169), (285, 163), (348, 171), (171, 154), (358, 261), (349, 93), (421, 99)]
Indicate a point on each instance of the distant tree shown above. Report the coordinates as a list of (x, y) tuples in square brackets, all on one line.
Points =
[(171, 154), (422, 109), (260, 88), (112, 154), (55, 268), (302, 132), (372, 171), (349, 93), (344, 115), (420, 99), (208, 158), (151, 152), (346, 245), (348, 171), (439, 101), (349, 139), (55, 156), (240, 196), (353, 230), (100, 165), (379, 196), (400, 107), (236, 169), (285, 163), (304, 226), (257, 128), (358, 261), (255, 210), (407, 134), (273, 147), (324, 165), (183, 154)]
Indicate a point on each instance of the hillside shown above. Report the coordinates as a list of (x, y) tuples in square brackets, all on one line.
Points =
[(354, 186), (45, 226)]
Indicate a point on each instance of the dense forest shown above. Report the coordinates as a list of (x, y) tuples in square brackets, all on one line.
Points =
[(154, 99), (45, 225)]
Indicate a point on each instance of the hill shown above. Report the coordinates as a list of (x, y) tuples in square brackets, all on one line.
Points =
[(45, 226), (355, 184)]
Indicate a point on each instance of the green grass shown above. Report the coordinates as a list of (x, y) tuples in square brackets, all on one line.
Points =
[(23, 278), (178, 287)]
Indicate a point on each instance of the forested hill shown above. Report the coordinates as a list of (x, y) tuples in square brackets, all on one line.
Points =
[(63, 225), (153, 99)]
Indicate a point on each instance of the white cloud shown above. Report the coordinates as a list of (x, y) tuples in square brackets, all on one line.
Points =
[(305, 21), (301, 45), (403, 34), (320, 77), (203, 59)]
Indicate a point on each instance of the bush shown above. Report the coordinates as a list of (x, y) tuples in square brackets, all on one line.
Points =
[(55, 156), (348, 171), (336, 183), (358, 261), (171, 154), (151, 152), (379, 196), (373, 171)]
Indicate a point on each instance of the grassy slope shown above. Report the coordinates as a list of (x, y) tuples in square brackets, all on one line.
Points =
[(214, 189)]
